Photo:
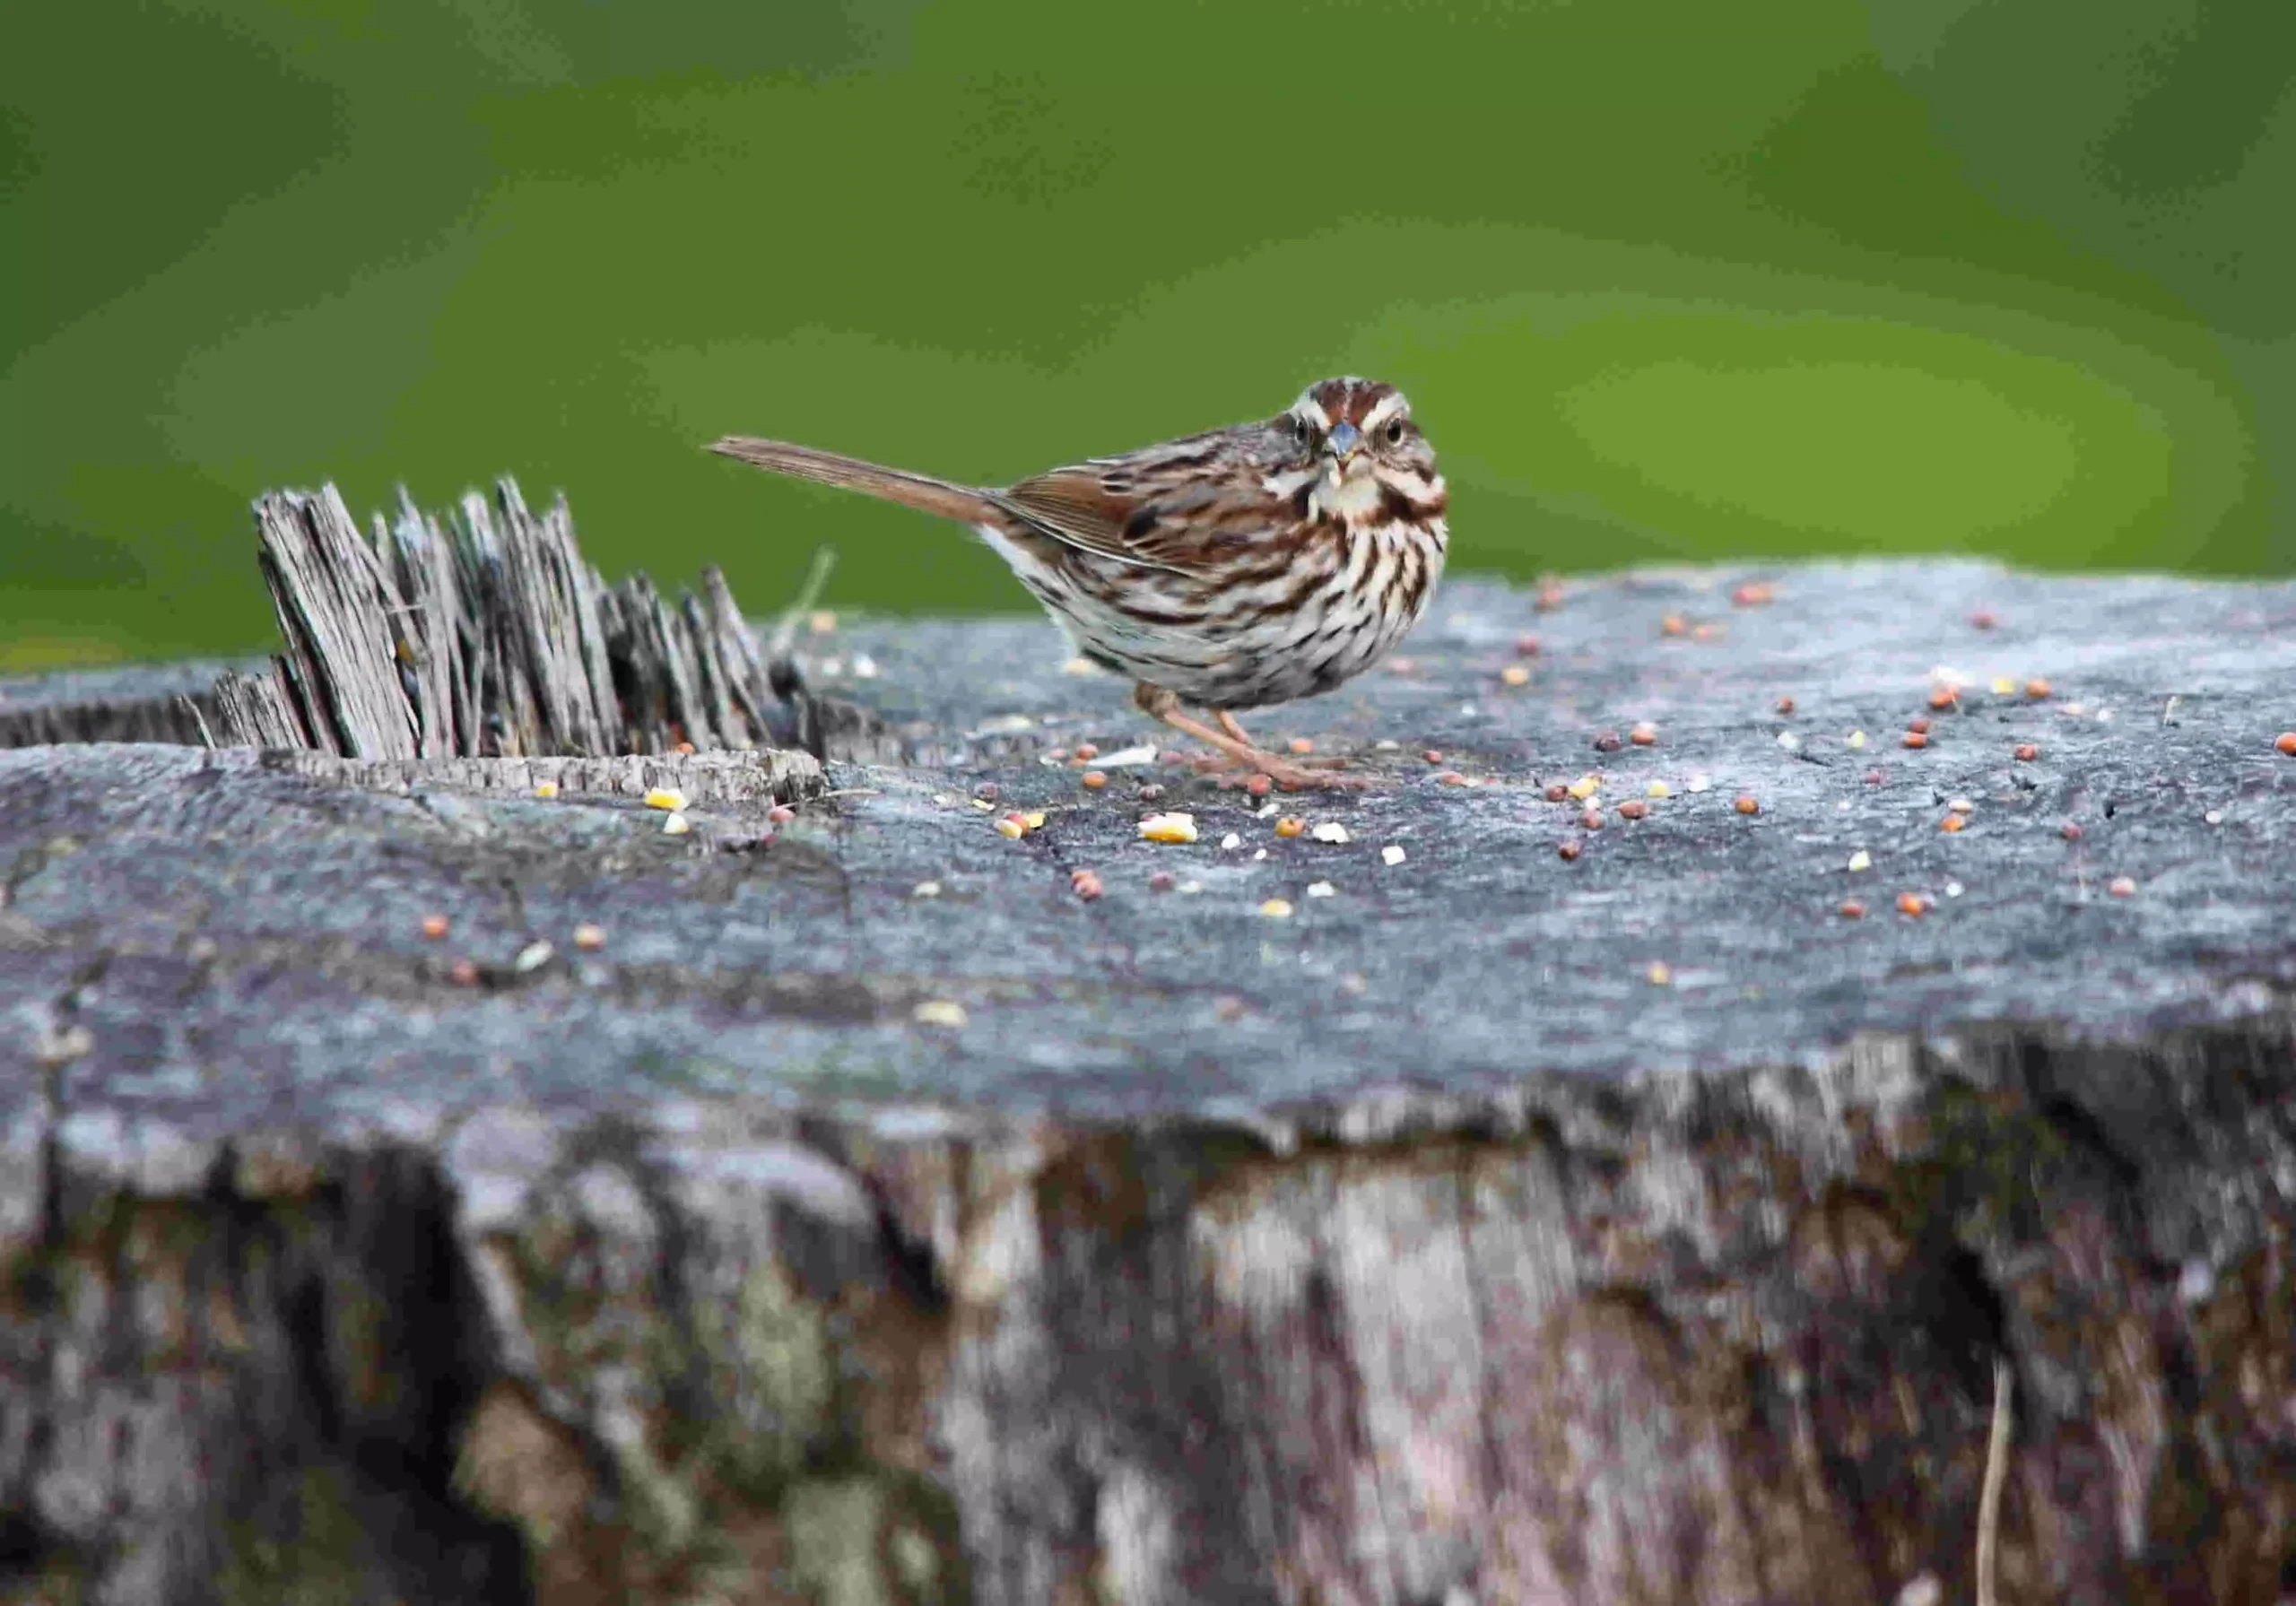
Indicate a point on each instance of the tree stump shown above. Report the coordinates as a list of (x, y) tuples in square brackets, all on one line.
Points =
[(1853, 1156)]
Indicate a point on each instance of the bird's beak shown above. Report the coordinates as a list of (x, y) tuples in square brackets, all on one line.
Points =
[(1344, 442)]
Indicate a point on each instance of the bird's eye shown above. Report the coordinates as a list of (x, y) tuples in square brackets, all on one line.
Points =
[(1395, 433)]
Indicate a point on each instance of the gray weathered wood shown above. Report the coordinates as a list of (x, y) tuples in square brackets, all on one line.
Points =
[(871, 1217)]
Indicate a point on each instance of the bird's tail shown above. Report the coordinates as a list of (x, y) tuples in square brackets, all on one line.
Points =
[(921, 491)]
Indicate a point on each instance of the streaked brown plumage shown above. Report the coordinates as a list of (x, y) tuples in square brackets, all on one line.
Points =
[(1233, 570)]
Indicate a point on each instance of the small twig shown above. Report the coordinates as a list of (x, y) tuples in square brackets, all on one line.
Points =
[(206, 734), (785, 634), (1997, 1473)]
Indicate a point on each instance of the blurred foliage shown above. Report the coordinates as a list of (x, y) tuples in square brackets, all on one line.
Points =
[(1665, 278)]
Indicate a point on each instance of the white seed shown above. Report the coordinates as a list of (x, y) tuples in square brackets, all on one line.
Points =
[(1392, 854), (940, 1012), (1330, 831)]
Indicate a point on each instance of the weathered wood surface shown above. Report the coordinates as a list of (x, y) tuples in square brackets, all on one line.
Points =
[(1417, 1247)]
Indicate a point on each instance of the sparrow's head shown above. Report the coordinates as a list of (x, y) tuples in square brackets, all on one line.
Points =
[(1358, 436)]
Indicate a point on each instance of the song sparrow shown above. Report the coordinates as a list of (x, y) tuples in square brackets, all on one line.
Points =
[(1233, 570)]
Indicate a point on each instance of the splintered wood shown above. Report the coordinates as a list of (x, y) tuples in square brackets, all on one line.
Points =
[(485, 635)]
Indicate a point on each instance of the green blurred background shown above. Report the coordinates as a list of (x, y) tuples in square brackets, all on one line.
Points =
[(1665, 278)]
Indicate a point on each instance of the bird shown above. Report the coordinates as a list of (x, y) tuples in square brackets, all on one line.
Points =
[(1233, 570)]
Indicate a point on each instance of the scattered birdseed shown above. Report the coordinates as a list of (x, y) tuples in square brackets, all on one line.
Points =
[(2122, 886), (1320, 889), (1084, 884), (1873, 777), (1961, 805), (2213, 817), (1289, 826), (2037, 687), (1754, 594), (1914, 738), (1258, 854), (666, 797), (1707, 632), (589, 938), (1918, 724), (2070, 831), (1592, 820), (1860, 860), (1080, 667), (820, 622), (1983, 620), (1433, 755), (434, 925), (1033, 820), (1301, 744), (782, 814), (2026, 752), (1856, 739), (1230, 842), (926, 889), (684, 747), (1645, 734), (1633, 807), (534, 956), (1699, 783), (1259, 785), (1789, 741), (1952, 822), (2002, 686), (675, 824), (1747, 804), (1515, 674), (1584, 787), (1084, 752), (1673, 624), (1607, 742), (940, 1012), (545, 789), (1659, 789), (1150, 793), (1944, 696), (1549, 596), (463, 973), (1954, 889), (1527, 646), (1849, 909), (1567, 850), (1452, 777), (1277, 908), (1161, 882), (2286, 742), (1168, 828), (1659, 974), (1330, 831), (1913, 904), (1011, 828), (1558, 792), (1094, 779), (1391, 853), (1785, 704)]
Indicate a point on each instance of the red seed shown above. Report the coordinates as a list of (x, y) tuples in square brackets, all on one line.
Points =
[(463, 973), (1558, 792), (1754, 594), (2037, 687), (1433, 755), (987, 790), (1085, 884), (1850, 908), (2286, 744), (1607, 742), (1259, 785), (1645, 734), (1633, 809), (1095, 779), (1983, 619), (1085, 752), (1873, 777), (1526, 646), (1161, 882), (1150, 792), (1915, 739), (434, 926), (1918, 724), (2070, 831), (1785, 704), (1673, 624), (1567, 850), (1592, 820), (1549, 595), (1747, 804), (1301, 744), (1452, 777), (682, 747), (2026, 752), (1912, 903), (1944, 696), (1952, 822), (780, 814), (2122, 886), (589, 938)]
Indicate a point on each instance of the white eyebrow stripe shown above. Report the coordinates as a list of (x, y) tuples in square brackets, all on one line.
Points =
[(1310, 413), (1387, 407)]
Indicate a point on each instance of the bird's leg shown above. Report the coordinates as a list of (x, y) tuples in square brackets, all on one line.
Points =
[(1157, 703), (1227, 722)]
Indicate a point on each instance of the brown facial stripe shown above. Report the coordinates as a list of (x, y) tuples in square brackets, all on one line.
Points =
[(1350, 400), (1404, 508)]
